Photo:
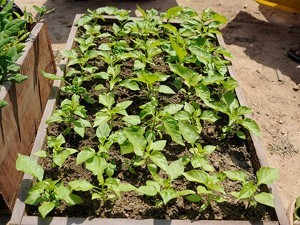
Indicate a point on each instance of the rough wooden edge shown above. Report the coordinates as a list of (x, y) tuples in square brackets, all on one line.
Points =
[(33, 220), (19, 208), (19, 217), (280, 211)]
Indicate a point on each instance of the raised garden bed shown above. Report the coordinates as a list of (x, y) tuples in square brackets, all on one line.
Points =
[(139, 143), (20, 118)]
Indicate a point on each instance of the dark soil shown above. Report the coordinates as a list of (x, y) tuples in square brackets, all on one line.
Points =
[(231, 153)]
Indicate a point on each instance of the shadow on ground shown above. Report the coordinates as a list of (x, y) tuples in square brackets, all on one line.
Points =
[(61, 19), (265, 42)]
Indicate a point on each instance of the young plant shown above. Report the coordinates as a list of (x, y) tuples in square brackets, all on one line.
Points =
[(210, 188), (250, 191), (59, 154), (48, 194), (164, 186), (109, 112), (72, 114)]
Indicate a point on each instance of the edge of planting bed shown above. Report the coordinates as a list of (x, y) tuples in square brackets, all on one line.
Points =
[(19, 215), (20, 119)]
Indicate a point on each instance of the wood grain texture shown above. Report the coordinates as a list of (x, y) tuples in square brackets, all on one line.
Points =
[(20, 119)]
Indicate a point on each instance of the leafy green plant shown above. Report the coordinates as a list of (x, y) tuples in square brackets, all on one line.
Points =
[(250, 191), (46, 193), (59, 153), (72, 114)]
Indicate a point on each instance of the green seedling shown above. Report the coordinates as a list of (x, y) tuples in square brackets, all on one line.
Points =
[(72, 114)]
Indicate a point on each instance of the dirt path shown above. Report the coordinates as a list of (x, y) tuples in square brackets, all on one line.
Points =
[(259, 38)]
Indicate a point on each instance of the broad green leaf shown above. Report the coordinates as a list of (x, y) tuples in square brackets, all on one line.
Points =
[(107, 100), (173, 12), (159, 145), (126, 147), (265, 198), (188, 132), (79, 129), (168, 194), (60, 158), (159, 159), (203, 92), (96, 165), (185, 192), (165, 89), (209, 116), (172, 108), (130, 84), (189, 108), (84, 155), (132, 119), (101, 118), (73, 199), (148, 190), (51, 76), (123, 105), (193, 198), (181, 52), (185, 73), (251, 125), (172, 129), (41, 153), (198, 176), (45, 208), (81, 185), (104, 47), (247, 191), (30, 166), (237, 175), (203, 190), (243, 110), (139, 65), (175, 169), (103, 131), (17, 78), (126, 187), (241, 134), (266, 175), (200, 162), (182, 115), (137, 140)]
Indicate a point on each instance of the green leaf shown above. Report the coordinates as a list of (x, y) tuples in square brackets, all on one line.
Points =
[(168, 194), (172, 108), (41, 153), (159, 159), (60, 158), (132, 119), (198, 176), (189, 108), (45, 208), (84, 155), (30, 166), (137, 140), (126, 187), (247, 191), (193, 198), (130, 84), (148, 190), (165, 89), (101, 118), (175, 169), (209, 116), (73, 199), (103, 131), (51, 76), (181, 52), (266, 175), (107, 100), (188, 132), (185, 192), (104, 47), (172, 129), (96, 165), (159, 145), (81, 185), (173, 12), (17, 78), (241, 135), (200, 162), (126, 147), (251, 125), (265, 198), (3, 104), (237, 175)]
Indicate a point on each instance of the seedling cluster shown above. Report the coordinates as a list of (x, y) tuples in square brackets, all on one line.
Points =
[(142, 86)]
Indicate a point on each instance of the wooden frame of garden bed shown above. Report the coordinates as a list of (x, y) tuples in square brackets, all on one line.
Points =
[(19, 215), (20, 119)]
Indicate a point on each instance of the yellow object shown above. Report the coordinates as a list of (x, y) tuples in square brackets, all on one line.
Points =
[(287, 5)]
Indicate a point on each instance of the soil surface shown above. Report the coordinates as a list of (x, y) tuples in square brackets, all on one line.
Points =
[(259, 38)]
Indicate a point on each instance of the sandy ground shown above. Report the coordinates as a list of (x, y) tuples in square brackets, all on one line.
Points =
[(259, 38)]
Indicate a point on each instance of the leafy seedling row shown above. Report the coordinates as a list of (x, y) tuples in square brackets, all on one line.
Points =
[(146, 107)]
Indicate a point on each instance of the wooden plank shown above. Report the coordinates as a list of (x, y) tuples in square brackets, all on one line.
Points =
[(20, 119)]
